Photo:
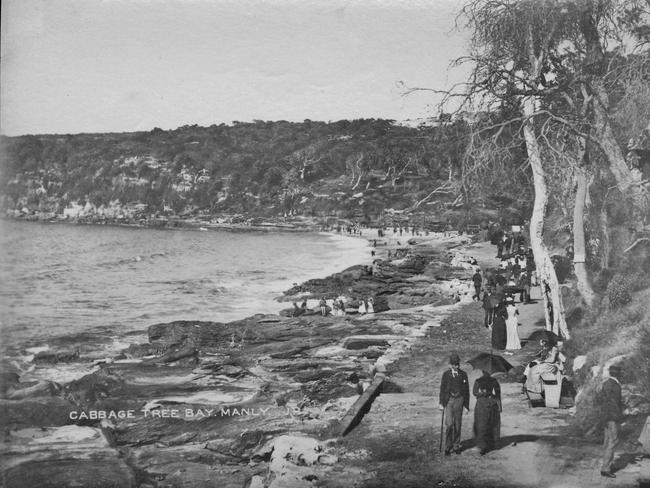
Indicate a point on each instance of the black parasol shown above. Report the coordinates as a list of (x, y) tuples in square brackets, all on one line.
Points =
[(546, 335), (491, 363)]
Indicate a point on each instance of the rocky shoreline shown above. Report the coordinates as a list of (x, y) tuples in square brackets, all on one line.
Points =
[(255, 402)]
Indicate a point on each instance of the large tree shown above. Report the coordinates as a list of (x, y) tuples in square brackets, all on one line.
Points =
[(511, 55), (551, 70)]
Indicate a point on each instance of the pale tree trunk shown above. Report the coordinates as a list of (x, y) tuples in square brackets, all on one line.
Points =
[(548, 280), (579, 248), (604, 235)]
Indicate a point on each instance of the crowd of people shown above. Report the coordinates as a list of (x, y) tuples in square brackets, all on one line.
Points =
[(337, 307), (497, 288)]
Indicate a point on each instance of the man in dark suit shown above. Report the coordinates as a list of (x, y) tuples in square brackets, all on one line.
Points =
[(612, 408), (478, 281), (454, 396)]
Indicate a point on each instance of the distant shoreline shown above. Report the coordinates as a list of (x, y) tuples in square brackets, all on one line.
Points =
[(180, 224)]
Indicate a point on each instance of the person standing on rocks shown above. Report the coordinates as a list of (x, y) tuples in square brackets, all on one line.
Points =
[(362, 307), (454, 396), (612, 408)]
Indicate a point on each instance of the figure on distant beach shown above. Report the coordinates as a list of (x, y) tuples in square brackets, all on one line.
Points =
[(362, 307), (487, 412), (298, 311), (341, 307), (371, 305), (323, 307)]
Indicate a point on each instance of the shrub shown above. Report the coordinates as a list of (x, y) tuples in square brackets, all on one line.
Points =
[(640, 361), (563, 267), (602, 279), (619, 291), (588, 418)]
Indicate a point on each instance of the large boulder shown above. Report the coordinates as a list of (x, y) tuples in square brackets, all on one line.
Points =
[(188, 331)]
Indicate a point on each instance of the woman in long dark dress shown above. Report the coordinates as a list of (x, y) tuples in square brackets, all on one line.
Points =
[(499, 335), (487, 412)]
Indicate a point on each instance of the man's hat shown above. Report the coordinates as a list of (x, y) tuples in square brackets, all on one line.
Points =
[(454, 359)]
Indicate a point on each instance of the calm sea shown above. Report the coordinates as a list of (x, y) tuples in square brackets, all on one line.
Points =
[(100, 285)]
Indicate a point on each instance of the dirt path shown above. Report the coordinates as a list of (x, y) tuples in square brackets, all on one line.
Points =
[(397, 443)]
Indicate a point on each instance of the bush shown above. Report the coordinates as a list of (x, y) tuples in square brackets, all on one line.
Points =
[(640, 362), (619, 291), (588, 418), (563, 267), (602, 279)]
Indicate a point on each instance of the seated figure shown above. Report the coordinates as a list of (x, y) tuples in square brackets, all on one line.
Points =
[(549, 362)]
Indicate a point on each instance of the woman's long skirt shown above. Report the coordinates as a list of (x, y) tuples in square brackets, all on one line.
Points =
[(512, 340), (498, 332), (487, 423)]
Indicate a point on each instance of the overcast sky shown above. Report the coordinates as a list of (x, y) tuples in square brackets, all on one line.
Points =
[(72, 66)]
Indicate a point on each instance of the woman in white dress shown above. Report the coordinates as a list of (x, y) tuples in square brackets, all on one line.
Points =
[(371, 305), (512, 336), (362, 307)]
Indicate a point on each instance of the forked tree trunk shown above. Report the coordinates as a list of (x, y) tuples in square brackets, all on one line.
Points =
[(545, 270), (626, 180), (579, 248)]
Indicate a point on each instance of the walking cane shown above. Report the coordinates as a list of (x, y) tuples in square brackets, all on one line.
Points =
[(442, 427)]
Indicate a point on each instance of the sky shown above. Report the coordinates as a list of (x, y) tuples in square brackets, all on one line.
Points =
[(71, 66)]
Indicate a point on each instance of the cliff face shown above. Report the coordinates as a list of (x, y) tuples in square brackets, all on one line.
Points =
[(353, 169)]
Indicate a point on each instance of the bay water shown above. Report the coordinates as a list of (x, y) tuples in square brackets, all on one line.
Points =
[(102, 286)]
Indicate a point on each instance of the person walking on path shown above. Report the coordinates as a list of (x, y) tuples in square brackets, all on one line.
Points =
[(512, 336), (499, 335), (488, 308), (478, 281), (612, 408), (323, 307), (454, 396), (487, 412)]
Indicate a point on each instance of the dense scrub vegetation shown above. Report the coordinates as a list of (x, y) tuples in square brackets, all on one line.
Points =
[(357, 168)]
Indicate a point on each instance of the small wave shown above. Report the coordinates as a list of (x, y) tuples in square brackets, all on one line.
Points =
[(131, 260), (218, 290)]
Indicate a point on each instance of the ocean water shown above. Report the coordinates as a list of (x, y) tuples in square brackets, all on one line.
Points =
[(102, 286)]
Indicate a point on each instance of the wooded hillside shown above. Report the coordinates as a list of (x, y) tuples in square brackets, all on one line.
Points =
[(353, 169)]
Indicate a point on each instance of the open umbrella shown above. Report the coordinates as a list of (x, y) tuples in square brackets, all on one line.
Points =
[(547, 335), (491, 363)]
